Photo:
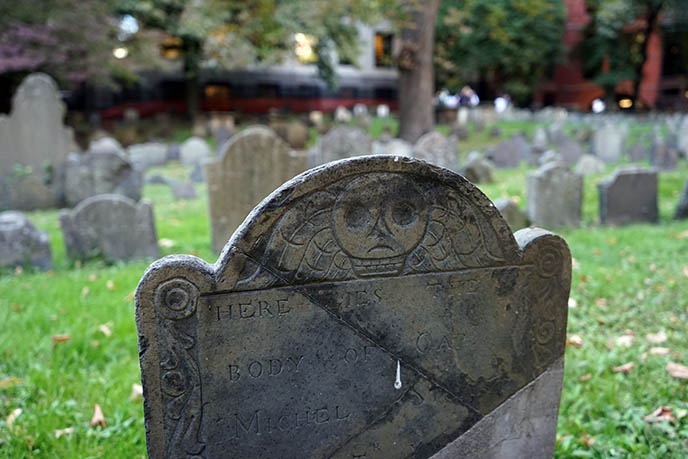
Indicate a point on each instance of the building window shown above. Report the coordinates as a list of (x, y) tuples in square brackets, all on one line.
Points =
[(383, 49), (216, 92), (171, 48)]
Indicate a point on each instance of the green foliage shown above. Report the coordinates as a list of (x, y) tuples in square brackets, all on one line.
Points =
[(511, 44)]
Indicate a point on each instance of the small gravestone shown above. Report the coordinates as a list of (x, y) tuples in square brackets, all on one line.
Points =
[(253, 164), (194, 151), (477, 169), (297, 134), (512, 213), (550, 156), (378, 307), (31, 193), (460, 131), (682, 206), (556, 134), (607, 143), (342, 115), (570, 151), (221, 135), (437, 149), (638, 152), (663, 157), (398, 147), (555, 196), (540, 139), (101, 173), (589, 164), (339, 143), (146, 155), (682, 136), (509, 153), (182, 189), (316, 119), (105, 145), (21, 244), (629, 195), (111, 226)]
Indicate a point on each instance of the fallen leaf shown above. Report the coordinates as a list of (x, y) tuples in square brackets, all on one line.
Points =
[(574, 340), (18, 270), (656, 338), (53, 317), (12, 417), (587, 441), (625, 368), (624, 340), (15, 307), (659, 351), (85, 291), (130, 297), (62, 338), (601, 302), (643, 356), (65, 431), (585, 377), (164, 242), (681, 413), (92, 277), (611, 241), (77, 264), (663, 413), (596, 252), (105, 329), (94, 343), (652, 267), (98, 419), (572, 303), (677, 370), (110, 285), (684, 270), (10, 382), (682, 235), (136, 392)]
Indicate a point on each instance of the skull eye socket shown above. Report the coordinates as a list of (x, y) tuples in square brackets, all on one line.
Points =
[(404, 214), (357, 217)]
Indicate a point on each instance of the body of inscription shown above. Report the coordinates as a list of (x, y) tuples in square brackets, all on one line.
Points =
[(255, 369), (253, 308)]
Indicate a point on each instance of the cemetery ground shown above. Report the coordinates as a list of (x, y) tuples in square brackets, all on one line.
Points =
[(68, 337)]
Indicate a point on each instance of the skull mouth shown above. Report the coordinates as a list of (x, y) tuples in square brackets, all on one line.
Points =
[(367, 267)]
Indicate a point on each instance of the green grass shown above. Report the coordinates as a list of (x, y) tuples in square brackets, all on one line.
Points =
[(624, 279)]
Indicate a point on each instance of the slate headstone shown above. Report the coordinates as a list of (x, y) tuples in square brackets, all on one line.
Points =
[(339, 143), (682, 206), (509, 153), (21, 244), (146, 155), (662, 157), (570, 151), (638, 152), (554, 196), (608, 141), (111, 226), (549, 156), (254, 163), (105, 145), (589, 164), (629, 195), (437, 149), (512, 213), (182, 189), (682, 136), (193, 151), (197, 174), (376, 307), (477, 169), (101, 173), (540, 139)]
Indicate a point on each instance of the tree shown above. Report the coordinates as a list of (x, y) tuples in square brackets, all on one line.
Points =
[(504, 45), (416, 73)]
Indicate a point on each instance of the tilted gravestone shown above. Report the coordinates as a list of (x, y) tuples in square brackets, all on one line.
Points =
[(375, 307), (339, 143), (22, 244), (147, 155), (253, 163), (629, 195), (681, 211), (555, 196), (437, 149), (111, 226), (101, 173)]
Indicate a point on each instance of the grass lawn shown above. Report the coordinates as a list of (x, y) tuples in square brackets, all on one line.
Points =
[(628, 282)]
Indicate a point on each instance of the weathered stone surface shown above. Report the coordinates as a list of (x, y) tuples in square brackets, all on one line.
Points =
[(550, 156), (146, 155), (663, 157), (297, 134), (607, 142), (33, 134), (182, 189), (377, 307), (21, 244), (398, 147), (173, 151), (111, 226), (101, 173), (682, 206), (194, 151), (477, 169), (197, 174), (629, 195), (540, 139), (460, 131), (437, 149), (342, 115), (570, 151), (509, 153), (589, 164), (253, 164), (339, 143), (31, 193), (638, 152), (512, 213), (555, 196), (105, 145)]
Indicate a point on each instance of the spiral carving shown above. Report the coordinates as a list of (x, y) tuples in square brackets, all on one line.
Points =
[(549, 262), (176, 299)]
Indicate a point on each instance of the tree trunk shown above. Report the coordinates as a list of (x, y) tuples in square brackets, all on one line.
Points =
[(416, 75), (191, 53), (651, 22)]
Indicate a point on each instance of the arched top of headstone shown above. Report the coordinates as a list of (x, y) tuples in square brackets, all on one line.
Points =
[(38, 87), (256, 138)]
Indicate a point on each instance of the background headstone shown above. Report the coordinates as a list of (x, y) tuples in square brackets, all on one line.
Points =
[(638, 152), (540, 139), (477, 169), (254, 163), (437, 149), (339, 143), (682, 206), (146, 155), (21, 244), (554, 196), (662, 156), (111, 226), (182, 189), (193, 151), (105, 145), (570, 151), (101, 173), (512, 213), (589, 164), (376, 307), (509, 153), (342, 115), (629, 195), (608, 141)]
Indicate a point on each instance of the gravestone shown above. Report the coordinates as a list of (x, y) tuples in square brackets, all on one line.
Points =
[(556, 134), (382, 111), (629, 195), (339, 143), (512, 213), (31, 193), (550, 156), (378, 307), (297, 134), (33, 133), (570, 151), (607, 143), (509, 153), (682, 206), (105, 145), (197, 174), (638, 152), (682, 136), (194, 151), (182, 189), (253, 164), (540, 139), (437, 149), (173, 151), (555, 196), (494, 131), (398, 147), (342, 115), (662, 156), (477, 169), (111, 226), (21, 244), (101, 173), (147, 155), (460, 131), (589, 164)]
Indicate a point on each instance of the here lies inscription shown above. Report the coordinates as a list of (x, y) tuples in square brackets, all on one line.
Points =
[(372, 307)]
